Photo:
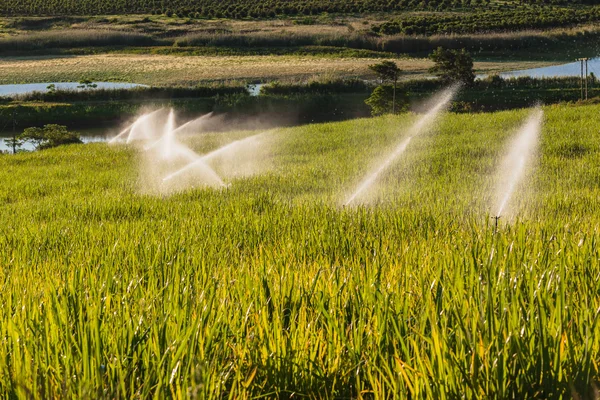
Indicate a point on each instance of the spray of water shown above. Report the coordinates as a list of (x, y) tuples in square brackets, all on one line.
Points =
[(144, 128), (422, 124), (120, 135), (229, 149), (517, 160), (168, 165), (192, 126), (195, 125)]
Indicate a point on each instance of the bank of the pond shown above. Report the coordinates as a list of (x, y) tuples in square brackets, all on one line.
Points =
[(86, 136), (51, 87), (277, 104), (267, 111)]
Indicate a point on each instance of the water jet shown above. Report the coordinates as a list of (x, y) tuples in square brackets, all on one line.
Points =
[(420, 125), (514, 166), (203, 160)]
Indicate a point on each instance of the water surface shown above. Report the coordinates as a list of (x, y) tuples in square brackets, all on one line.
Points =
[(26, 88), (86, 135), (569, 69)]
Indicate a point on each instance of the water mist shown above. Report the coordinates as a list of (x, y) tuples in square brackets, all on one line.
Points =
[(167, 165), (423, 123), (517, 161)]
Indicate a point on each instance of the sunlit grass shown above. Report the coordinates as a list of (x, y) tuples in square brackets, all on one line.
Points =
[(271, 288), (155, 69)]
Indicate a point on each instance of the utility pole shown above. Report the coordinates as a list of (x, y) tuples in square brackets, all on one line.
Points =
[(14, 142), (584, 77), (581, 62)]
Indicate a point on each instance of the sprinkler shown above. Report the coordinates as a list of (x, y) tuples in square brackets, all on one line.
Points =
[(496, 218)]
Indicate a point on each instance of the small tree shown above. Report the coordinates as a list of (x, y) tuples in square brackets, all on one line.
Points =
[(388, 71), (381, 100), (87, 84), (13, 143), (49, 136), (453, 66)]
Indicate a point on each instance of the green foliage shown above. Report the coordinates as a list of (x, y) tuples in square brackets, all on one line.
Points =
[(212, 9), (305, 11), (137, 93), (386, 71), (381, 101), (53, 39), (332, 86), (13, 143), (49, 136), (270, 288), (507, 20), (453, 66), (87, 84)]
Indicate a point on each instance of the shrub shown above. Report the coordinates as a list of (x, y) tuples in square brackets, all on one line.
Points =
[(381, 100), (49, 136)]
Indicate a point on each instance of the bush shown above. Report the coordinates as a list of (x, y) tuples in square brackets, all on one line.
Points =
[(49, 136), (381, 100)]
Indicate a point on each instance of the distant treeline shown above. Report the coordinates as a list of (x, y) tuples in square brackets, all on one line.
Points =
[(489, 21), (243, 8), (211, 8)]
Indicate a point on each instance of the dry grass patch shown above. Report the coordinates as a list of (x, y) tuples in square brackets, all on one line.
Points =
[(189, 70)]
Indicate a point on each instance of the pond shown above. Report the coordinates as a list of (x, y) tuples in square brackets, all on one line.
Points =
[(569, 69), (13, 90), (254, 88), (87, 136)]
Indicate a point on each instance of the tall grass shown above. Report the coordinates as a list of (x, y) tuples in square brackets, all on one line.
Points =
[(74, 38), (270, 289), (395, 43), (138, 93), (280, 39), (316, 42)]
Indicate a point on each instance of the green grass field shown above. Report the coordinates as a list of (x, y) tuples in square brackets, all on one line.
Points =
[(270, 288)]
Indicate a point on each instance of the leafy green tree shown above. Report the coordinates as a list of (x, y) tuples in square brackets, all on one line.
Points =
[(13, 143), (87, 84), (388, 71), (453, 66), (382, 99), (49, 136)]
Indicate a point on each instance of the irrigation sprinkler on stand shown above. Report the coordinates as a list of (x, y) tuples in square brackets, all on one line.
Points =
[(496, 218)]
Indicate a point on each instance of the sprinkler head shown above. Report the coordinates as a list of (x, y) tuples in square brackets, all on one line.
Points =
[(496, 218)]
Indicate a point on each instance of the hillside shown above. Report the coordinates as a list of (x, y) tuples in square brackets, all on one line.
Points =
[(253, 9), (271, 287)]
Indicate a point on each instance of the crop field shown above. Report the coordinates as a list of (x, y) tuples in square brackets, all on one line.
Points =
[(263, 9), (190, 70), (271, 288), (490, 21), (228, 8)]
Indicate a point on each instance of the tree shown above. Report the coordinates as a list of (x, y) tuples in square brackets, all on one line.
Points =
[(388, 71), (49, 136), (13, 143), (453, 66), (382, 98), (87, 84)]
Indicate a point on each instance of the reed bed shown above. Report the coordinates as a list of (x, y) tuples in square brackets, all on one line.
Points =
[(69, 38)]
